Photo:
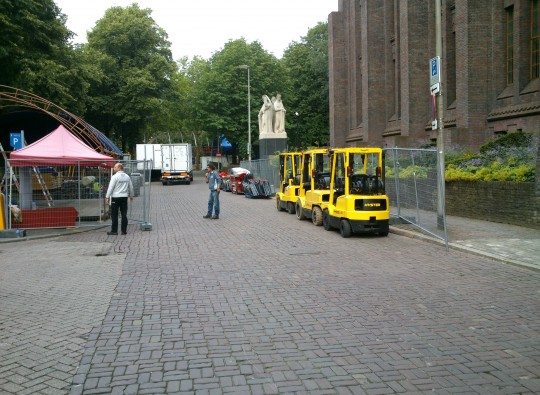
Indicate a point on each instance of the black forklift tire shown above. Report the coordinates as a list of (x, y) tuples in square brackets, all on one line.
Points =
[(290, 208), (164, 182), (326, 220), (299, 212), (278, 203), (316, 216), (345, 228)]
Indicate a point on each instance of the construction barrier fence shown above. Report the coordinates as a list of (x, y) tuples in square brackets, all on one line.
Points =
[(52, 196), (412, 184), (59, 196), (265, 170), (416, 190)]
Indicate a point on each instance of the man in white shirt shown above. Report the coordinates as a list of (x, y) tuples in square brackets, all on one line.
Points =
[(120, 188)]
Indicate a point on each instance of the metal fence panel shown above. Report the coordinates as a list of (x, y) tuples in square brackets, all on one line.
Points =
[(413, 189), (140, 172), (55, 196), (411, 185), (263, 169)]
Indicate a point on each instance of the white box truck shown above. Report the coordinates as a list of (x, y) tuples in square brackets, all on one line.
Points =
[(176, 163), (149, 152)]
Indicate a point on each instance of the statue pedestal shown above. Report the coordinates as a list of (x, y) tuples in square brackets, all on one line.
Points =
[(270, 143)]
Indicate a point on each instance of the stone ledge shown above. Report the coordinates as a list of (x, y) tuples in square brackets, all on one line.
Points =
[(280, 135)]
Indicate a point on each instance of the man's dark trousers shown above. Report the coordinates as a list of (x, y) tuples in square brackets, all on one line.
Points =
[(119, 203)]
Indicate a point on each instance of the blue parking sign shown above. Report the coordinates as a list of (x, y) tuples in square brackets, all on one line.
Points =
[(15, 140), (435, 70)]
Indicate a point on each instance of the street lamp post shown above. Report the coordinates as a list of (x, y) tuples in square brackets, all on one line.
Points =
[(297, 115), (245, 66)]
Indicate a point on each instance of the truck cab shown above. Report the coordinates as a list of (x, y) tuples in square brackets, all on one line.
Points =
[(357, 201)]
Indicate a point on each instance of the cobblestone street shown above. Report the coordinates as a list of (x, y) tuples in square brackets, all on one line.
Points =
[(259, 302)]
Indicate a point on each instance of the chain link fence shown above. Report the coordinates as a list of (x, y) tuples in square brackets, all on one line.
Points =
[(58, 196), (413, 187)]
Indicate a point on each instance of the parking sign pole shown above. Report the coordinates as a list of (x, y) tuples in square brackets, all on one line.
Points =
[(441, 190)]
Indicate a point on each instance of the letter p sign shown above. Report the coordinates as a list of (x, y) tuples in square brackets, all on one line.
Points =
[(15, 140)]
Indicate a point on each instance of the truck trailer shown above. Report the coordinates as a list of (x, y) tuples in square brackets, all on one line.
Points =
[(145, 152), (176, 163)]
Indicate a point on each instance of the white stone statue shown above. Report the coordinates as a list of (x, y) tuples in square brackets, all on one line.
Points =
[(266, 116), (279, 115)]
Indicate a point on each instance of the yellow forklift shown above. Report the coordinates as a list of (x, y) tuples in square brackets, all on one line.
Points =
[(289, 181), (357, 201), (314, 192)]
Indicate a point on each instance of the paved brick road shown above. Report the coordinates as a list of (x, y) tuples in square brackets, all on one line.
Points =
[(261, 303)]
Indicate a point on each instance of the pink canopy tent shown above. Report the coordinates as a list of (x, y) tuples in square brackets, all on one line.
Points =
[(60, 147)]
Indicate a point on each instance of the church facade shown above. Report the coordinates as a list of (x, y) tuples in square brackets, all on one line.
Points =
[(379, 67)]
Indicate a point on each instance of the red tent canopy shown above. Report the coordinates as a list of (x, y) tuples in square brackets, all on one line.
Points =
[(60, 147)]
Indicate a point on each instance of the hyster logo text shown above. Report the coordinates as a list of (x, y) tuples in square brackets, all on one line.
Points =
[(372, 205)]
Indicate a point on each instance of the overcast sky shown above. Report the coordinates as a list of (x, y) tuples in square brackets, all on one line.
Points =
[(202, 27)]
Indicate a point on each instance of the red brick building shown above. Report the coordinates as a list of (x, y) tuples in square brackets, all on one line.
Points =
[(379, 53)]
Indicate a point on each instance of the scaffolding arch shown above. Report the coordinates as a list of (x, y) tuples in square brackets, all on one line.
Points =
[(10, 96)]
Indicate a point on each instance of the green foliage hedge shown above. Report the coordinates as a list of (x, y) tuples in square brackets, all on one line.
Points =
[(511, 157)]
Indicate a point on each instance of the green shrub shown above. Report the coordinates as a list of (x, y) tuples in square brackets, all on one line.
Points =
[(507, 142), (408, 172), (511, 157), (495, 172)]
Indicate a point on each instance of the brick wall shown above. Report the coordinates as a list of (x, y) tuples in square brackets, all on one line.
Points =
[(514, 203), (338, 82), (379, 47)]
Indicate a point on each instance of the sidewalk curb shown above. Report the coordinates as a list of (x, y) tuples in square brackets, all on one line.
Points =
[(51, 235), (458, 247)]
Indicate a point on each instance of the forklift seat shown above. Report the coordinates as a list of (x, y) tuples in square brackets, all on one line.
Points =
[(323, 180), (359, 183)]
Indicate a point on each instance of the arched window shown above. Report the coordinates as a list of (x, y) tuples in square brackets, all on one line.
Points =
[(535, 39), (510, 45)]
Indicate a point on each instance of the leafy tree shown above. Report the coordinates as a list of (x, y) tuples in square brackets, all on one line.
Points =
[(192, 72), (172, 115), (36, 55), (219, 98), (136, 70), (306, 64)]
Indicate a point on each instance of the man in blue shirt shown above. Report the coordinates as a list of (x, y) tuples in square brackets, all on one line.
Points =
[(214, 184)]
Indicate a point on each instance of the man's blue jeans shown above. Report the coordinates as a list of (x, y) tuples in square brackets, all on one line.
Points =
[(213, 203)]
